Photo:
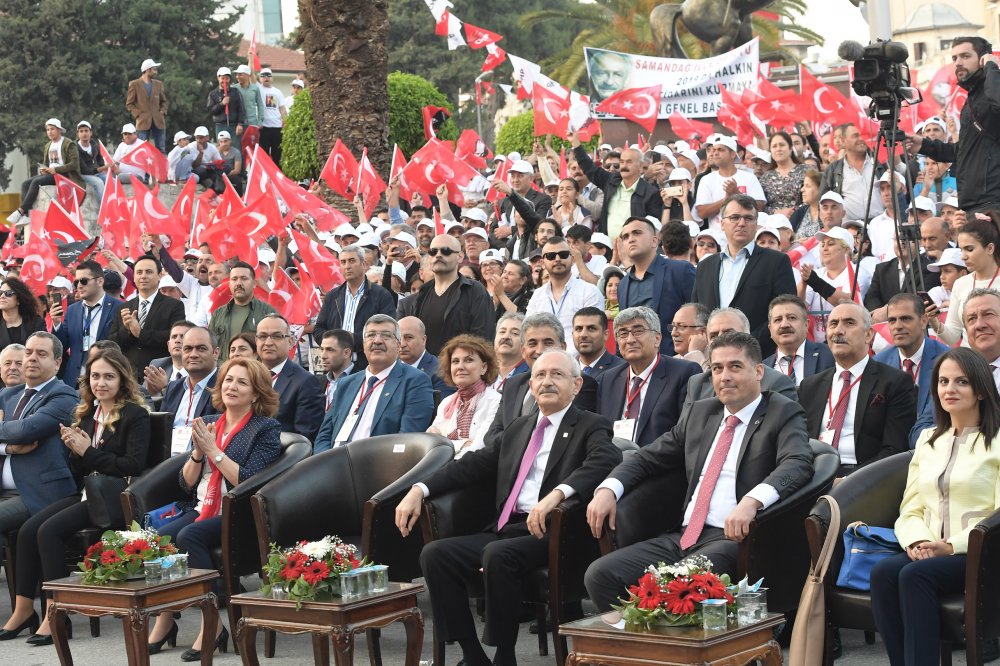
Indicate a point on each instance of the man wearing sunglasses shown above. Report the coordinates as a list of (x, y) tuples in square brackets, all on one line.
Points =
[(563, 295), (86, 320)]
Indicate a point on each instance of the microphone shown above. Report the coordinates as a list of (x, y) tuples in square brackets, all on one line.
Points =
[(850, 50)]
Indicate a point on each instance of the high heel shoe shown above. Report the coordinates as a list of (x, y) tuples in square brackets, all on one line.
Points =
[(221, 644), (31, 623), (170, 639), (40, 640)]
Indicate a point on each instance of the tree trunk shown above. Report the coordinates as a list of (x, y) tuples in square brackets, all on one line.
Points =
[(347, 60)]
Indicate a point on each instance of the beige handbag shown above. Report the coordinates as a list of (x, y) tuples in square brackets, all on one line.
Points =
[(809, 631)]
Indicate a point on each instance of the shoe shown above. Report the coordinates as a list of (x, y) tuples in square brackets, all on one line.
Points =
[(15, 217), (39, 640), (838, 649), (991, 650), (170, 639), (31, 623), (221, 644)]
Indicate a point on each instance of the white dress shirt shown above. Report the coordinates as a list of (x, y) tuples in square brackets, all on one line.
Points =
[(7, 479), (351, 304), (798, 362), (149, 308), (644, 376), (366, 417), (917, 359), (189, 398), (845, 446), (277, 371)]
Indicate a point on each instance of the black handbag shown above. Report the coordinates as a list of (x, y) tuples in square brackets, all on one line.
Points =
[(104, 502)]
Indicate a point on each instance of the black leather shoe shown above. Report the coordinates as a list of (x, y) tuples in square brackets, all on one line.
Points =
[(39, 640), (31, 623), (221, 644), (838, 649)]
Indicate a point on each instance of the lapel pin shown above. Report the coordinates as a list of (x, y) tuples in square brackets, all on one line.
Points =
[(565, 434)]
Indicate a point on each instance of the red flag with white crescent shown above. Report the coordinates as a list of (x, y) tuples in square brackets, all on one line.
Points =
[(640, 105), (323, 267), (368, 184), (551, 112), (339, 170)]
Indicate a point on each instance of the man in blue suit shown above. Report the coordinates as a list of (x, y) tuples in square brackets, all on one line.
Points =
[(413, 352), (300, 393), (590, 338), (190, 397), (388, 397), (653, 281), (85, 321), (645, 396), (914, 353), (796, 357), (36, 462)]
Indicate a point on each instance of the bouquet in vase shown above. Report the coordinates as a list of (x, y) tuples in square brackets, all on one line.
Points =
[(672, 595), (309, 568), (120, 555)]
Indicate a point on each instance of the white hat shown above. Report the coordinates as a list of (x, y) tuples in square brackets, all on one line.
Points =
[(655, 221), (952, 256), (837, 233), (500, 157), (490, 255), (333, 245), (369, 240), (381, 229), (723, 140), (265, 255), (83, 123), (224, 71), (691, 155), (522, 166), (167, 281), (346, 229), (299, 82), (181, 135), (451, 224), (477, 214), (59, 282), (427, 222), (661, 149), (193, 252), (266, 70), (933, 120), (552, 183), (365, 228), (399, 271), (147, 63), (513, 156), (857, 224), (224, 135), (924, 203), (885, 177), (951, 201), (717, 236), (680, 146), (693, 228), (374, 222), (759, 153), (832, 196), (680, 173), (477, 231), (597, 238), (767, 229), (201, 130), (243, 69), (128, 128), (55, 123), (779, 221), (404, 237), (605, 146)]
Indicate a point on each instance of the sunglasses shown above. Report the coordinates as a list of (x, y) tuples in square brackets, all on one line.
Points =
[(7, 293), (445, 251), (82, 282), (552, 256)]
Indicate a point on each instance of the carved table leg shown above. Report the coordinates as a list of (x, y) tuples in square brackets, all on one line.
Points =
[(414, 624), (773, 655), (571, 659), (210, 622), (343, 647), (246, 635), (135, 627), (321, 649), (57, 624)]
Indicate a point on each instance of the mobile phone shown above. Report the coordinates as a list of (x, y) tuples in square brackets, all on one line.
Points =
[(925, 297), (674, 191)]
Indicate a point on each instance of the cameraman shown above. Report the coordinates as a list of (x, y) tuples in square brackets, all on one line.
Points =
[(976, 156)]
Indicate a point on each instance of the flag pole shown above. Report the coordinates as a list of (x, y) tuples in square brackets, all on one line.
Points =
[(479, 105)]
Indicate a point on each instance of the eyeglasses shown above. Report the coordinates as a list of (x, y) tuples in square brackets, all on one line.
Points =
[(736, 219), (445, 251), (82, 282), (277, 337), (613, 167), (381, 335), (552, 256), (625, 333), (681, 327), (7, 293)]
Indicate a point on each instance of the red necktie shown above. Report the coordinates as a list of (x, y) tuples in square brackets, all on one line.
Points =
[(632, 408), (908, 367), (840, 411), (712, 472), (530, 453)]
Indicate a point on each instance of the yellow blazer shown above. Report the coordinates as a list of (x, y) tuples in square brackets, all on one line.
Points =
[(950, 487)]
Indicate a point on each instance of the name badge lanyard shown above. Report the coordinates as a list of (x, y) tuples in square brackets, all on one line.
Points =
[(187, 417), (88, 321), (364, 395), (834, 407), (631, 396), (562, 300)]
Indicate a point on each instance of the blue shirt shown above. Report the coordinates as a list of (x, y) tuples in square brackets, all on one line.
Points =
[(731, 271)]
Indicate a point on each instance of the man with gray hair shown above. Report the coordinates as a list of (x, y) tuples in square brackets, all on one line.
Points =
[(389, 397), (507, 347), (644, 396), (980, 316), (728, 320), (11, 362)]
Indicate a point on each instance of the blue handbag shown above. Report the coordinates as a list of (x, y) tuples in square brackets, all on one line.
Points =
[(864, 547), (159, 518)]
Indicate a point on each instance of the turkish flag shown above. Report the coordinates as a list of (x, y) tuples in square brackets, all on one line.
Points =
[(734, 116), (230, 202), (296, 198), (438, 223), (640, 105), (692, 131), (184, 205), (339, 170), (551, 111), (41, 263), (285, 298), (114, 218), (231, 237), (154, 218), (368, 184), (824, 103), (502, 173), (321, 264), (496, 57), (252, 58), (61, 225), (250, 140), (396, 169), (477, 37), (108, 161), (774, 105), (472, 149), (67, 192), (149, 159), (308, 289), (261, 218), (433, 165)]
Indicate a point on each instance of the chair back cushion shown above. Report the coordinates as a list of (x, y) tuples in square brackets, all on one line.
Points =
[(161, 427)]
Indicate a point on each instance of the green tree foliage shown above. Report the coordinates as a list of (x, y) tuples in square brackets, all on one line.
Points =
[(408, 95), (73, 59), (299, 157), (518, 134)]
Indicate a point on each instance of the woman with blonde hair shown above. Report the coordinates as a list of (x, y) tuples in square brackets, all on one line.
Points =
[(469, 364)]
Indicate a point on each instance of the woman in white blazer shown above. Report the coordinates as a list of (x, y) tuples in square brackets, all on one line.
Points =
[(469, 364)]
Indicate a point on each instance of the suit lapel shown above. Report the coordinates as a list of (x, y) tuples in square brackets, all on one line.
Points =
[(519, 396), (36, 399), (617, 394), (561, 441), (385, 394), (810, 361), (657, 380), (714, 276), (517, 438), (865, 387), (755, 258), (107, 311), (752, 426)]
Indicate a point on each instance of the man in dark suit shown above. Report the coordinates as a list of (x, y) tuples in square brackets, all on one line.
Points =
[(190, 397), (161, 371), (539, 333), (644, 196), (795, 356), (389, 397), (914, 353), (742, 275), (542, 459), (413, 352), (85, 321), (894, 276), (862, 408), (741, 453), (590, 339), (653, 281), (300, 393), (35, 458), (141, 327), (645, 396)]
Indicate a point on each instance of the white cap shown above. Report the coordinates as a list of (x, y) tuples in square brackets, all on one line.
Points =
[(201, 130), (723, 140), (55, 123), (680, 173), (83, 123), (265, 255), (837, 233), (147, 63), (680, 146), (427, 222), (404, 237), (552, 183), (759, 153), (933, 120), (513, 156), (477, 231), (477, 214), (952, 256), (522, 166), (717, 236), (885, 177), (924, 203), (332, 245), (224, 71), (365, 228), (167, 281), (768, 229), (779, 221), (193, 252), (369, 240), (181, 135), (691, 155), (59, 282), (857, 224), (266, 70), (655, 221), (299, 82), (605, 146), (128, 128), (597, 238), (346, 229), (693, 228), (243, 69), (399, 271), (451, 224), (499, 157), (491, 255), (224, 134), (381, 229), (832, 196), (951, 201)]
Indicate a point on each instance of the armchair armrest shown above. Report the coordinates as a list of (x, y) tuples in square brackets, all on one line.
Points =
[(461, 511), (652, 507), (158, 487), (572, 548), (982, 584)]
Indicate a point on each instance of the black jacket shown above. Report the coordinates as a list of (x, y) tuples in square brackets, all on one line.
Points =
[(375, 300), (237, 114), (885, 281), (90, 162), (645, 199), (470, 310), (976, 156)]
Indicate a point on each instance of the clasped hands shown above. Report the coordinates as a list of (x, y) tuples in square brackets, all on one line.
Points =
[(925, 550), (203, 437)]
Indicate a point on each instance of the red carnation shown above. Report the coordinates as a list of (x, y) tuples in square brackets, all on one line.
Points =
[(682, 597), (316, 572), (110, 557), (647, 592)]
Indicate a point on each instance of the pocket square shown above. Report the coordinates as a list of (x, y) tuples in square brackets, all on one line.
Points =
[(877, 399)]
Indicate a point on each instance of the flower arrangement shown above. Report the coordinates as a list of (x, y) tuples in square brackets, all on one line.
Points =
[(672, 595), (310, 567), (120, 555)]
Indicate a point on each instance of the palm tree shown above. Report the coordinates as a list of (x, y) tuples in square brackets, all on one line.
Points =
[(623, 25)]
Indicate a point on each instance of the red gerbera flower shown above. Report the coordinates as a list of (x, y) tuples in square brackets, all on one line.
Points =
[(682, 597), (709, 584), (291, 573), (136, 548), (647, 592), (316, 572), (110, 557), (296, 559), (95, 549)]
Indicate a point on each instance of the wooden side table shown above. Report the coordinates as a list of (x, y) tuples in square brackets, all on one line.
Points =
[(331, 618), (595, 641), (133, 601)]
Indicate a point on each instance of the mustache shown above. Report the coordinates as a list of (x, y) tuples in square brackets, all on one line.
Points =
[(839, 339), (506, 342), (548, 389)]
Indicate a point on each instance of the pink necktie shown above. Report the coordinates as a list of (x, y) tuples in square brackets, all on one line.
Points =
[(701, 504), (534, 446)]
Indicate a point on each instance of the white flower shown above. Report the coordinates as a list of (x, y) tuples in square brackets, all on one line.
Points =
[(318, 549)]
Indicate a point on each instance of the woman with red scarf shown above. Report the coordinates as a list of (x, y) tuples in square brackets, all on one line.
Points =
[(227, 449), (469, 364)]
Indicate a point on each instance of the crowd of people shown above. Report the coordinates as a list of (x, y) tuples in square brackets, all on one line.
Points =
[(675, 301)]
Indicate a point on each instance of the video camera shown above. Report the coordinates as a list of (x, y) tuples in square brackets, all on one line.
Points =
[(881, 73)]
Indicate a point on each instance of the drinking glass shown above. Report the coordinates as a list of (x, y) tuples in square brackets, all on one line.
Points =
[(153, 570), (747, 605), (713, 614)]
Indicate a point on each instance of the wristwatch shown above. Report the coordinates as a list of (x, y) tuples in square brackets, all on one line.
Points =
[(219, 457)]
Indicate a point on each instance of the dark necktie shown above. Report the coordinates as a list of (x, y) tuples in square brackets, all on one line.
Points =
[(23, 402), (790, 364), (632, 408), (840, 411), (908, 366), (143, 311), (361, 407)]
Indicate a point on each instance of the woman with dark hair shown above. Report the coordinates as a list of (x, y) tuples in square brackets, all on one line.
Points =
[(243, 345), (979, 241), (566, 211), (782, 185), (469, 365), (805, 219), (952, 483), (472, 272), (19, 308), (227, 448), (110, 435)]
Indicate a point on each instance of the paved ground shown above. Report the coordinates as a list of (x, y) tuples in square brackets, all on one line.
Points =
[(109, 649)]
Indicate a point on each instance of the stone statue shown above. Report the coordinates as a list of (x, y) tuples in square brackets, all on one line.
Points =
[(724, 24)]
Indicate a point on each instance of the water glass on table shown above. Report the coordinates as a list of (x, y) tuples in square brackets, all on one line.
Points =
[(747, 608)]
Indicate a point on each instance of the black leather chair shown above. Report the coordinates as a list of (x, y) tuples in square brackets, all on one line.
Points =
[(872, 495), (238, 554), (358, 487)]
